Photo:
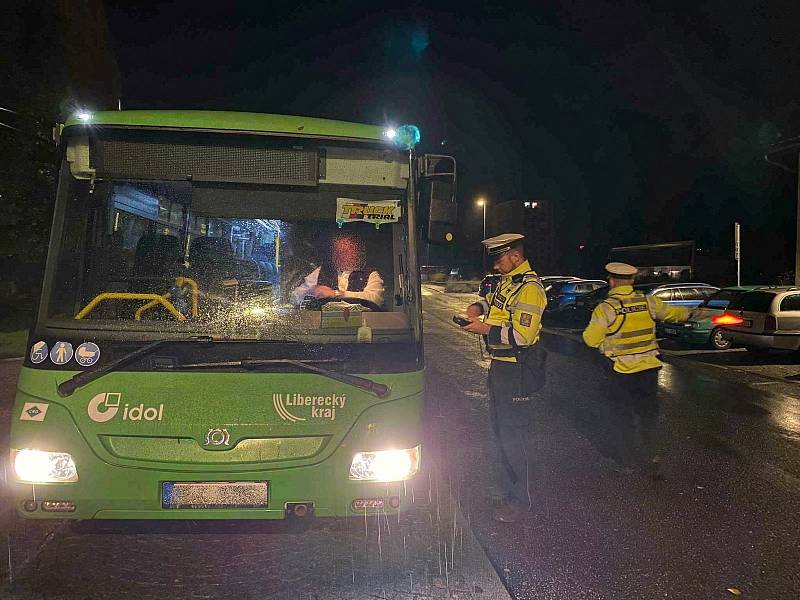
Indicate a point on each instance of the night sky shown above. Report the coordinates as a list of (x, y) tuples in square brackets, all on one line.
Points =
[(641, 125)]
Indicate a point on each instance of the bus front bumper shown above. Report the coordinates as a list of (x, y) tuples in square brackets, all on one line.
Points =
[(150, 494)]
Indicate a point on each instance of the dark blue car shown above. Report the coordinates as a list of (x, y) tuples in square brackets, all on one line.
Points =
[(562, 295)]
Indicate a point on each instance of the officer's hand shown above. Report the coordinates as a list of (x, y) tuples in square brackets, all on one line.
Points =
[(474, 310), (323, 291), (478, 327)]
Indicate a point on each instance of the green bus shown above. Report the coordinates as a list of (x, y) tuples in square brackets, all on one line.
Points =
[(230, 323)]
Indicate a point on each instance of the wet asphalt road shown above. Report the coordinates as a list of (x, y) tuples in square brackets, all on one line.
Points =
[(724, 521)]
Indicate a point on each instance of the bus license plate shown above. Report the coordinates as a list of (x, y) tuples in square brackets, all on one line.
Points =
[(215, 494)]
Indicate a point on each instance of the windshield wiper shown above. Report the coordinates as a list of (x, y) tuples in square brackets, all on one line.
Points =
[(68, 387), (373, 387)]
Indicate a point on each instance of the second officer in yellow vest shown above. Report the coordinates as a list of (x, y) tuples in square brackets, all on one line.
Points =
[(511, 325), (623, 329)]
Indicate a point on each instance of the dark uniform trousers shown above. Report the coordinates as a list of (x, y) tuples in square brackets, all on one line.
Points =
[(634, 412), (512, 398)]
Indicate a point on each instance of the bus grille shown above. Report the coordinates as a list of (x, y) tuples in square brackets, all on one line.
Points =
[(188, 451)]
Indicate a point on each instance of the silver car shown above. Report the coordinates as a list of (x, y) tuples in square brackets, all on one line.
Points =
[(764, 319)]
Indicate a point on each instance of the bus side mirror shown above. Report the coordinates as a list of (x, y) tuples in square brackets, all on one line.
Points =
[(439, 198)]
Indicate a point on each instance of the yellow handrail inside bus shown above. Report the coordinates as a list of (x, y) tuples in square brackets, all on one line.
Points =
[(138, 314), (127, 296), (180, 282)]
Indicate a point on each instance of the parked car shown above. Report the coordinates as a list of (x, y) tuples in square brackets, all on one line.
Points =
[(489, 284), (548, 281), (764, 319), (690, 295), (546, 278), (681, 294), (561, 295), (700, 330), (581, 310)]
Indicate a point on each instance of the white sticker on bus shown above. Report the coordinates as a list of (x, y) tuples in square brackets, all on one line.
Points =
[(322, 407), (105, 406), (33, 411)]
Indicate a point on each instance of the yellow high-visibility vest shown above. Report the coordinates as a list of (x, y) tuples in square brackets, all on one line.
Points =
[(633, 330), (515, 310)]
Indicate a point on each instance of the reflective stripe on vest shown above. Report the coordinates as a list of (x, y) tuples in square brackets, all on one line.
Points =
[(502, 306), (633, 330)]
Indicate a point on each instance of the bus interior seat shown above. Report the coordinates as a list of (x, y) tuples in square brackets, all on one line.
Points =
[(158, 255), (213, 258), (209, 249)]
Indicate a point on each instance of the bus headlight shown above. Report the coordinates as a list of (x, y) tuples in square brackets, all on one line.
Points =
[(38, 466), (385, 465)]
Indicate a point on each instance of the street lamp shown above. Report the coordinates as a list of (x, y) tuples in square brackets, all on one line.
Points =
[(482, 203)]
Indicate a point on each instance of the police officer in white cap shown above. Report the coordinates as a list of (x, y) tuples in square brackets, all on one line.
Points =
[(511, 322), (623, 329)]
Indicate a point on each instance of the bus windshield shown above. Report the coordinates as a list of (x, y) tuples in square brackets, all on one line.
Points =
[(234, 260)]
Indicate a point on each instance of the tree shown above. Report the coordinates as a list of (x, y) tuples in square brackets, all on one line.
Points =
[(57, 58)]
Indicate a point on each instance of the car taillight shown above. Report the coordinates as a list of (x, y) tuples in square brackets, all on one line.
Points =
[(770, 324), (726, 319)]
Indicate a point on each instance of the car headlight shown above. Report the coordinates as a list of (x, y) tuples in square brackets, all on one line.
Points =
[(39, 466), (385, 465), (694, 324)]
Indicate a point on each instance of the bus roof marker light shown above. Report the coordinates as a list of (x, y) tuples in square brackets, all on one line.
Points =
[(407, 136), (390, 133), (84, 116)]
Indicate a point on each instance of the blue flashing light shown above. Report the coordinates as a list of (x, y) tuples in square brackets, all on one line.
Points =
[(407, 136)]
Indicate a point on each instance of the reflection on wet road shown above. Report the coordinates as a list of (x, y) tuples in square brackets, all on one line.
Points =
[(725, 518), (424, 555)]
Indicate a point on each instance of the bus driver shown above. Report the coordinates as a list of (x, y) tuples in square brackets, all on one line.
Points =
[(342, 274)]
